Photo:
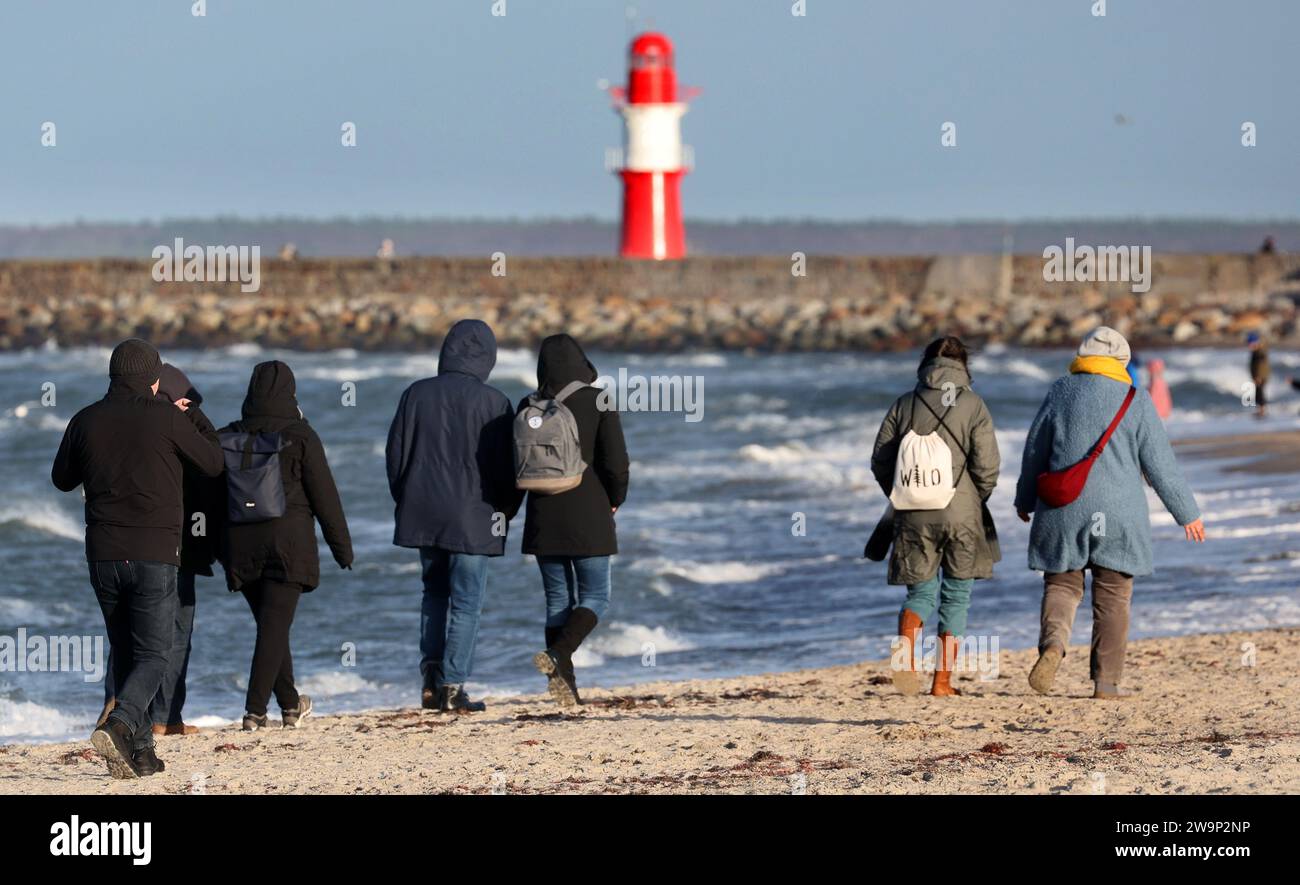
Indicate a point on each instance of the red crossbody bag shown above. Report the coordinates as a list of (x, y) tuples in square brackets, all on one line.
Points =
[(1056, 488)]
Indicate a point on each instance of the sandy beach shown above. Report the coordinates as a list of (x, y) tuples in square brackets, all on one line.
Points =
[(1216, 713), (1272, 452)]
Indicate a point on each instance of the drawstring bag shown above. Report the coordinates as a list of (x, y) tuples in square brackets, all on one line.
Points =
[(923, 477), (1056, 488)]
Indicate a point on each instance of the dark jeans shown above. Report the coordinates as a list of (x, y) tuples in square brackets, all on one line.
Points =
[(168, 703), (273, 606), (454, 587), (574, 582), (138, 601)]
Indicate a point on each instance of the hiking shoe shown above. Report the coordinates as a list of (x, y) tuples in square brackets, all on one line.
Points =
[(454, 700), (252, 722), (292, 718), (1044, 672), (112, 740), (430, 695), (147, 762), (563, 690)]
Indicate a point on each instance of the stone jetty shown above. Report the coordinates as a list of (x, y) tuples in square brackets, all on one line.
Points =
[(731, 303)]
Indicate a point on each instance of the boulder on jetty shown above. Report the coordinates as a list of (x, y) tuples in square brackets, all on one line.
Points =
[(768, 304)]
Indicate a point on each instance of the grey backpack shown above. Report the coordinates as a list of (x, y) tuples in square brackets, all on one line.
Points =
[(548, 454)]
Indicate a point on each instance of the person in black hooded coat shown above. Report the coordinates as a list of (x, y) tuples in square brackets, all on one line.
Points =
[(572, 533), (275, 561)]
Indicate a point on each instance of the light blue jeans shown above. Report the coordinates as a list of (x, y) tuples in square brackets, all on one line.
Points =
[(950, 596), (574, 581), (454, 587)]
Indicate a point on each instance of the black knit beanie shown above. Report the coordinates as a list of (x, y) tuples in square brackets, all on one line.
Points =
[(135, 358)]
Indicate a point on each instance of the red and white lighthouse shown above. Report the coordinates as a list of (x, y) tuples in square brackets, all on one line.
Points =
[(653, 159)]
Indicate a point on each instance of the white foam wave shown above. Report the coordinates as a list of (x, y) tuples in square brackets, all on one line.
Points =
[(31, 720), (43, 517)]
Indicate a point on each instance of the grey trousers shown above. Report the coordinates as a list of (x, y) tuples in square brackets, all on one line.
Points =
[(1111, 593)]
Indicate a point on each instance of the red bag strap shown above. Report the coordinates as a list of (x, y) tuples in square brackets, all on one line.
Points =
[(1119, 416)]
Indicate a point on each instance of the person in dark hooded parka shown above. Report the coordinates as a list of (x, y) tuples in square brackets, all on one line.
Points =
[(451, 474), (572, 533), (275, 561)]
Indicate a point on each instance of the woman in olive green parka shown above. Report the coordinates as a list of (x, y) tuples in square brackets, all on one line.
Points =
[(938, 554)]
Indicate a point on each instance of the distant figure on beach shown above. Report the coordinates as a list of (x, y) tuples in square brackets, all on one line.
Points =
[(572, 533), (203, 506), (386, 249), (279, 486), (1158, 389), (1259, 371), (128, 451), (289, 252), (1268, 247), (1099, 521), (451, 475), (937, 460)]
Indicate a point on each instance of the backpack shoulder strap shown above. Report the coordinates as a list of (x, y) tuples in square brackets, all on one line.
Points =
[(965, 456), (569, 390)]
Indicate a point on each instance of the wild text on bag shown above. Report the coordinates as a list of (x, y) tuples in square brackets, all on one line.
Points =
[(254, 482), (1056, 488), (548, 453), (923, 477)]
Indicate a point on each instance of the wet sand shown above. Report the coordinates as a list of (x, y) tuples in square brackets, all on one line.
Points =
[(1215, 713), (1268, 452)]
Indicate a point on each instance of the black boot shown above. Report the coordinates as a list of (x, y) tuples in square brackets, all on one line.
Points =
[(147, 762), (454, 700), (429, 699), (112, 741), (556, 663)]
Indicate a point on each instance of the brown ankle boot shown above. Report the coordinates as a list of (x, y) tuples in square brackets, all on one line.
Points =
[(943, 670), (906, 680)]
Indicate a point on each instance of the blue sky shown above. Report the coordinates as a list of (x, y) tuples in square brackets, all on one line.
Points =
[(835, 115)]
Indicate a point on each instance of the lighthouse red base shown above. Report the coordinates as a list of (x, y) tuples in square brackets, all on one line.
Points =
[(652, 216)]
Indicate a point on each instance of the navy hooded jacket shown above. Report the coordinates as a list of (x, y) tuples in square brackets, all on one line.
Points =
[(450, 452)]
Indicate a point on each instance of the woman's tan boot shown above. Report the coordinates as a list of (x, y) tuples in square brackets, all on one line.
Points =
[(907, 680), (943, 670)]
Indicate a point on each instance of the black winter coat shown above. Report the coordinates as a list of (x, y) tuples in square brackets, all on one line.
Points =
[(579, 522), (284, 549), (450, 457), (129, 451)]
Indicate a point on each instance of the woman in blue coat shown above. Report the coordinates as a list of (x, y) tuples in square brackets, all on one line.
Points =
[(1107, 529)]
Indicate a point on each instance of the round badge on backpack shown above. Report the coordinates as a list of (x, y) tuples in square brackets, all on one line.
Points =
[(535, 422)]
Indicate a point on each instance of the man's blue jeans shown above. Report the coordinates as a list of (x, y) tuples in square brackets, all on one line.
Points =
[(454, 587), (169, 702), (574, 581), (138, 601)]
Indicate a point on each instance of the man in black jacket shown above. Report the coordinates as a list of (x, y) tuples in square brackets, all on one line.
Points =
[(128, 451), (451, 473)]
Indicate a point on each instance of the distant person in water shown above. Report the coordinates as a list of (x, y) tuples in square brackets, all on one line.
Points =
[(572, 533), (129, 452), (1259, 372), (272, 453), (203, 511), (1158, 389), (451, 475), (1268, 247), (937, 460), (1106, 529)]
